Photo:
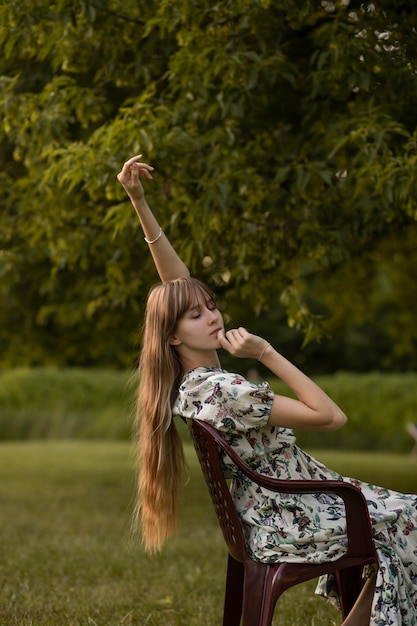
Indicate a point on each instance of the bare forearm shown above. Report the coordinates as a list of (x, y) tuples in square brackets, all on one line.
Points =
[(167, 262), (306, 390), (303, 387)]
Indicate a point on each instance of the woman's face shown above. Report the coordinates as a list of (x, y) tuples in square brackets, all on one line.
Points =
[(197, 329)]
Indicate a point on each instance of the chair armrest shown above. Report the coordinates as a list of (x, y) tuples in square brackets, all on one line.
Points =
[(359, 531)]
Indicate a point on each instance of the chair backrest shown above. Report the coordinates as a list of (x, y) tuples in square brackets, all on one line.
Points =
[(207, 453), (207, 442)]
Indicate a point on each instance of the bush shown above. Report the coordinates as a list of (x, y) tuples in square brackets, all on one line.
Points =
[(65, 403), (377, 405), (88, 403)]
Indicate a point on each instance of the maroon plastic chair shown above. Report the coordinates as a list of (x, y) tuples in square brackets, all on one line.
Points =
[(252, 587)]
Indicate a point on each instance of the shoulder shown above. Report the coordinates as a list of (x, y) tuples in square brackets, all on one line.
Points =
[(225, 398), (203, 378)]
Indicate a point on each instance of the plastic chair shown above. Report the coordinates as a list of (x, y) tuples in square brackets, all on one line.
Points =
[(252, 587)]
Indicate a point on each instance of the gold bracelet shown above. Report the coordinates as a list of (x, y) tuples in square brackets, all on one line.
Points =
[(263, 351), (156, 238)]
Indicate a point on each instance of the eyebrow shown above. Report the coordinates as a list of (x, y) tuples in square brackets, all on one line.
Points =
[(200, 304)]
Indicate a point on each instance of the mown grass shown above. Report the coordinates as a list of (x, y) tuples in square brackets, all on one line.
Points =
[(66, 498), (66, 555)]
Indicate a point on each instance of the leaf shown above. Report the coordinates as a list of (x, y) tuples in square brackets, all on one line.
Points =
[(279, 153)]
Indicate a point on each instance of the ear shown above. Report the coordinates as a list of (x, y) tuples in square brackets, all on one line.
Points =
[(174, 341)]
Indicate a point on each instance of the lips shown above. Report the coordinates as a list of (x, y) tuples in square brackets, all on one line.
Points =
[(216, 330)]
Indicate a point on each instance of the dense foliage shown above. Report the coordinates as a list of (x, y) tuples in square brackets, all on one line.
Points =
[(284, 140)]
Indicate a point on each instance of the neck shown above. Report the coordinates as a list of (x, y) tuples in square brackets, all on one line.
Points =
[(191, 361)]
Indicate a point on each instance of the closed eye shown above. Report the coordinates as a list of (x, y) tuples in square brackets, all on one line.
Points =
[(196, 310)]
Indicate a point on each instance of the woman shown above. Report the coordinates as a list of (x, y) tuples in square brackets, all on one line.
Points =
[(181, 375)]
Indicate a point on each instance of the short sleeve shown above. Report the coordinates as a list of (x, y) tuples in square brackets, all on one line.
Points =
[(228, 401)]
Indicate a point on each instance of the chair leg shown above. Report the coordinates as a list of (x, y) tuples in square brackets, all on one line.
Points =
[(349, 583), (234, 593), (258, 603)]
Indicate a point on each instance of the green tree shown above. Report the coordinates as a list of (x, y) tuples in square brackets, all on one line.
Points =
[(283, 136)]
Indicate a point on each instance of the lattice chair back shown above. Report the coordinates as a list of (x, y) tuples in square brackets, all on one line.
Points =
[(230, 525)]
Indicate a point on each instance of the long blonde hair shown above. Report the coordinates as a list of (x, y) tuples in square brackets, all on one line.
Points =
[(160, 454)]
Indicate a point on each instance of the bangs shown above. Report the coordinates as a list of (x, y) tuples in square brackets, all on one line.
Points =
[(189, 292), (168, 302)]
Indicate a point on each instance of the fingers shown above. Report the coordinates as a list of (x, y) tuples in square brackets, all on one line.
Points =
[(134, 166), (237, 335), (142, 169), (233, 340), (133, 159), (241, 343)]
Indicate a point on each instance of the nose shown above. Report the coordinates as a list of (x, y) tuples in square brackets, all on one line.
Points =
[(213, 315)]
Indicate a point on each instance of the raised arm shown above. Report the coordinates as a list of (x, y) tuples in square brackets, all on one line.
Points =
[(167, 262)]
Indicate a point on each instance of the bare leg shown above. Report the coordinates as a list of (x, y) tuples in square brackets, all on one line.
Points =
[(361, 611)]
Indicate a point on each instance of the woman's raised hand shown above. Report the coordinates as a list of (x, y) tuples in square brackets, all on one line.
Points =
[(129, 176), (241, 343)]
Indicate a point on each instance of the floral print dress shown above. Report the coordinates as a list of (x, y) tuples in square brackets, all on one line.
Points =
[(302, 528)]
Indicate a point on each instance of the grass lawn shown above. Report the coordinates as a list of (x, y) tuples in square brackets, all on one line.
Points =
[(66, 558)]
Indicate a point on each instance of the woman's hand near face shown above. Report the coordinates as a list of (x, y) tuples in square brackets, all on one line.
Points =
[(241, 343), (129, 177)]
